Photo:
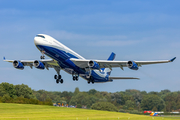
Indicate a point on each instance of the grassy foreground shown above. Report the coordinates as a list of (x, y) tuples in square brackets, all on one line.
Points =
[(43, 112)]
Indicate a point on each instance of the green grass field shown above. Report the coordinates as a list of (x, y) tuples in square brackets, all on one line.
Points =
[(42, 112)]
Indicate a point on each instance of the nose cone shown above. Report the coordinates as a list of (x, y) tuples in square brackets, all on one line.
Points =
[(38, 40), (35, 41)]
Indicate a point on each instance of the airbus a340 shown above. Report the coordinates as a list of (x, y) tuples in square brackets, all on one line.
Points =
[(63, 58)]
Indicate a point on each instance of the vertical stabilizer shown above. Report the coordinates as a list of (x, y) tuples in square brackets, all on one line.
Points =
[(111, 58)]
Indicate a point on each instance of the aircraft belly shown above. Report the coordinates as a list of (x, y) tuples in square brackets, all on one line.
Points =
[(68, 66)]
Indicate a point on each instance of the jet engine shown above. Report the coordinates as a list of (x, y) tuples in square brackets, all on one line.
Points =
[(38, 64), (18, 65), (93, 65), (132, 65)]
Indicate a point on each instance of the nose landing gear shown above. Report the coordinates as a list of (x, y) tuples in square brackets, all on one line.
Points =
[(42, 56)]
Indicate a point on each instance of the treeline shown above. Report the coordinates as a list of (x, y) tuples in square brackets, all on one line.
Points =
[(123, 101), (129, 100), (21, 94)]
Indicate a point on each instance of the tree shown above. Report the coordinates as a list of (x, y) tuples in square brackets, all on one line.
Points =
[(5, 98), (79, 106), (165, 91), (2, 91), (76, 91), (92, 92), (105, 96), (117, 98), (151, 101), (104, 106), (78, 98), (24, 90), (137, 98), (8, 89), (57, 99), (129, 104), (154, 108)]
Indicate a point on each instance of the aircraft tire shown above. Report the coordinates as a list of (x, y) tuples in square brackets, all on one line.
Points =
[(59, 77), (57, 81), (76, 78), (92, 81), (88, 82), (42, 57), (61, 81), (55, 76)]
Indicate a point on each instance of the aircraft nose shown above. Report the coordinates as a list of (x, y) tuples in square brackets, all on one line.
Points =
[(36, 41)]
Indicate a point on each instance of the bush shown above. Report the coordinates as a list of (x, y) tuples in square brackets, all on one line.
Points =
[(122, 110), (88, 106), (5, 98), (135, 111), (79, 106), (104, 106)]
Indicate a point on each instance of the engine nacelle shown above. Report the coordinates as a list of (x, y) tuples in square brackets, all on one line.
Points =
[(93, 65), (132, 65), (38, 64), (18, 65)]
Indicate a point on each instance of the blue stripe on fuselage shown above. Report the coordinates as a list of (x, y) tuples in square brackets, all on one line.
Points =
[(63, 60)]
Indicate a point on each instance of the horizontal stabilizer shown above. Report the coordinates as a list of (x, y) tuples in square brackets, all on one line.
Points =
[(115, 78), (172, 59)]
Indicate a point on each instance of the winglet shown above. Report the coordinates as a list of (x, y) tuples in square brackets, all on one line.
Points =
[(172, 59), (4, 58)]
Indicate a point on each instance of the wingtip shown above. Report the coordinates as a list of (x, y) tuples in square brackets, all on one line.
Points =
[(172, 59)]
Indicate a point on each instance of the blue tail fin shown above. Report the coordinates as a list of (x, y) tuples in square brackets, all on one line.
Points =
[(111, 58)]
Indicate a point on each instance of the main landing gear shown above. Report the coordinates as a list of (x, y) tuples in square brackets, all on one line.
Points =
[(58, 77), (91, 80), (75, 77)]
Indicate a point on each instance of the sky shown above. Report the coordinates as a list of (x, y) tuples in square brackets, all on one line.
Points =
[(133, 29)]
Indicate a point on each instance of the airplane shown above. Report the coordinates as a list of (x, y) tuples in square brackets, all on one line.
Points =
[(63, 58)]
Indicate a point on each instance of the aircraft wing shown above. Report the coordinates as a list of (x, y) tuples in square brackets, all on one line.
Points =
[(110, 64), (48, 63)]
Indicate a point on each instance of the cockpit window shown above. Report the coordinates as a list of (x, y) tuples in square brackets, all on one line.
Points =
[(40, 36)]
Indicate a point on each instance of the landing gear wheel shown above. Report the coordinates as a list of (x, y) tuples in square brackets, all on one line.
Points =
[(92, 81), (61, 81), (42, 57), (76, 78), (88, 82), (57, 81), (59, 77), (55, 76)]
